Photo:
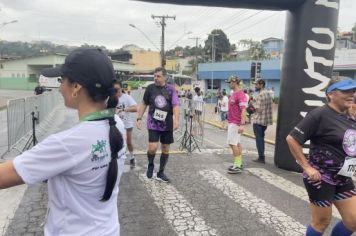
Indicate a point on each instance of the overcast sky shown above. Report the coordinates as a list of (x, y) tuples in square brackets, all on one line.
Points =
[(106, 22)]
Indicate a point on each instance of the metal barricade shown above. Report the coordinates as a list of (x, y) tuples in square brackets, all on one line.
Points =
[(19, 118), (15, 121)]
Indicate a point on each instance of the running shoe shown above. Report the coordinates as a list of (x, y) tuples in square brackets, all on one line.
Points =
[(149, 172), (162, 177), (234, 170), (133, 163)]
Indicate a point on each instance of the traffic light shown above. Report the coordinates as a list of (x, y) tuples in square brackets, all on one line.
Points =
[(258, 70), (253, 70)]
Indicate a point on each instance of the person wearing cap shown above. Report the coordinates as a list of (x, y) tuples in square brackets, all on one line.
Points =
[(162, 119), (331, 163), (236, 119), (83, 164), (262, 117), (125, 107)]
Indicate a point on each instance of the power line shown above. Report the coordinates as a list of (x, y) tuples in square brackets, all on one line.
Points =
[(244, 19), (256, 23)]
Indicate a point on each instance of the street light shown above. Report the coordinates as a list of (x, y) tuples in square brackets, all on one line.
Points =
[(212, 61), (134, 26), (7, 23)]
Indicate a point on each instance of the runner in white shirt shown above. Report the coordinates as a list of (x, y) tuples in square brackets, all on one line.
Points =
[(198, 110), (84, 164), (224, 108), (125, 108)]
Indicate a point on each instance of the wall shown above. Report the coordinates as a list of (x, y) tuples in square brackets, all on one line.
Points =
[(17, 83)]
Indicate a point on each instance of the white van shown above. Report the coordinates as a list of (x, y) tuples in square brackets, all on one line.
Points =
[(49, 82)]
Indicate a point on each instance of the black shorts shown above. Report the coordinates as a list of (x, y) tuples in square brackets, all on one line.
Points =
[(165, 137), (198, 113), (323, 194)]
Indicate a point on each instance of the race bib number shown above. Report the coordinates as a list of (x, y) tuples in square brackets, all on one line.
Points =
[(349, 167), (159, 115)]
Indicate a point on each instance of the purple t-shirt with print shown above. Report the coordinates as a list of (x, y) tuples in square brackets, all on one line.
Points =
[(161, 100)]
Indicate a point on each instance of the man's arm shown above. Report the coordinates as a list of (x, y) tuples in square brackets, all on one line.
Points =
[(176, 111), (8, 175)]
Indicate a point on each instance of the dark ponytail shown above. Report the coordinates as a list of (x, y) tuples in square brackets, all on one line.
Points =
[(116, 144)]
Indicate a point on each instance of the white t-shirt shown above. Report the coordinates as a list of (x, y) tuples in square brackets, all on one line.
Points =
[(224, 104), (126, 101), (198, 102), (75, 162)]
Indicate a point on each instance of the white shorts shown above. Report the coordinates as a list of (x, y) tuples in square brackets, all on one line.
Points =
[(233, 135)]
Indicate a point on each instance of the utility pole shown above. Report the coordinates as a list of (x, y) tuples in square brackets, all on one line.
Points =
[(196, 56), (163, 24), (212, 61)]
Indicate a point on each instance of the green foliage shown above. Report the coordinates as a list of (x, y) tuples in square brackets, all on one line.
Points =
[(221, 43), (255, 51), (40, 48)]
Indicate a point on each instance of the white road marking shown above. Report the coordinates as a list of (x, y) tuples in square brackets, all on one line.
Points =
[(285, 185), (267, 214), (176, 210)]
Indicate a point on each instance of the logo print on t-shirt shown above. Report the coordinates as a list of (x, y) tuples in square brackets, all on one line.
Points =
[(160, 101), (349, 142), (98, 150)]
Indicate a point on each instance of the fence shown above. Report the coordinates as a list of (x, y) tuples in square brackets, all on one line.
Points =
[(19, 118)]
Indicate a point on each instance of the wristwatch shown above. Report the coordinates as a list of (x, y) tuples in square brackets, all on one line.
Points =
[(138, 119)]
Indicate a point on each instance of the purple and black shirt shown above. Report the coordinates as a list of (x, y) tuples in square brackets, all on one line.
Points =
[(332, 138), (163, 98)]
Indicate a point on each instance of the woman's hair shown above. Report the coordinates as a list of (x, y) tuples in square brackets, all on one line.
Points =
[(331, 82), (197, 91), (119, 82), (116, 143)]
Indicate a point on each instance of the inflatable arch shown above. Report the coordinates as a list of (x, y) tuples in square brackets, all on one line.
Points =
[(307, 61)]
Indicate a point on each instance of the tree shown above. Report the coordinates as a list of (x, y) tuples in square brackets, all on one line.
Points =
[(221, 44), (255, 51)]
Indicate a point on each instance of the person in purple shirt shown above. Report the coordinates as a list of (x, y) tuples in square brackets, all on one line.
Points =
[(162, 119)]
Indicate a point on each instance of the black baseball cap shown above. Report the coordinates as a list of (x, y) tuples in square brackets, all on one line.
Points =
[(90, 67)]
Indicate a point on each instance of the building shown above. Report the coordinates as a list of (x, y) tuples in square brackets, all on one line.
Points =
[(273, 46), (217, 73), (23, 73)]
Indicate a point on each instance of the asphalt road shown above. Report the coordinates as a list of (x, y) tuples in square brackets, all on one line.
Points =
[(202, 199)]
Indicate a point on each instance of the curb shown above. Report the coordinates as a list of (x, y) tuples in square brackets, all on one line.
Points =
[(244, 133)]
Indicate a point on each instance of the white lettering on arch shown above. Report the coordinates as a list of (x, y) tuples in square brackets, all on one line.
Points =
[(327, 3), (322, 46), (311, 60)]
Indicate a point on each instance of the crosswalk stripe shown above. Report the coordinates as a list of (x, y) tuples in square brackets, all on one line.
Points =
[(285, 185), (268, 215), (176, 210)]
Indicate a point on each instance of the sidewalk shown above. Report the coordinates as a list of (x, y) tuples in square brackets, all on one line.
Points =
[(214, 119)]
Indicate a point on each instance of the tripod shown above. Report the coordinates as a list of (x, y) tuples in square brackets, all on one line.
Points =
[(188, 140), (32, 140)]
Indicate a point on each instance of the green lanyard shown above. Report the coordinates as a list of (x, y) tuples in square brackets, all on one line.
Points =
[(99, 115)]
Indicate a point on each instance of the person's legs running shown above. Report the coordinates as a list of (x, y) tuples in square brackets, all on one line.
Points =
[(153, 137), (233, 140), (166, 140), (346, 204), (130, 147), (259, 131)]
